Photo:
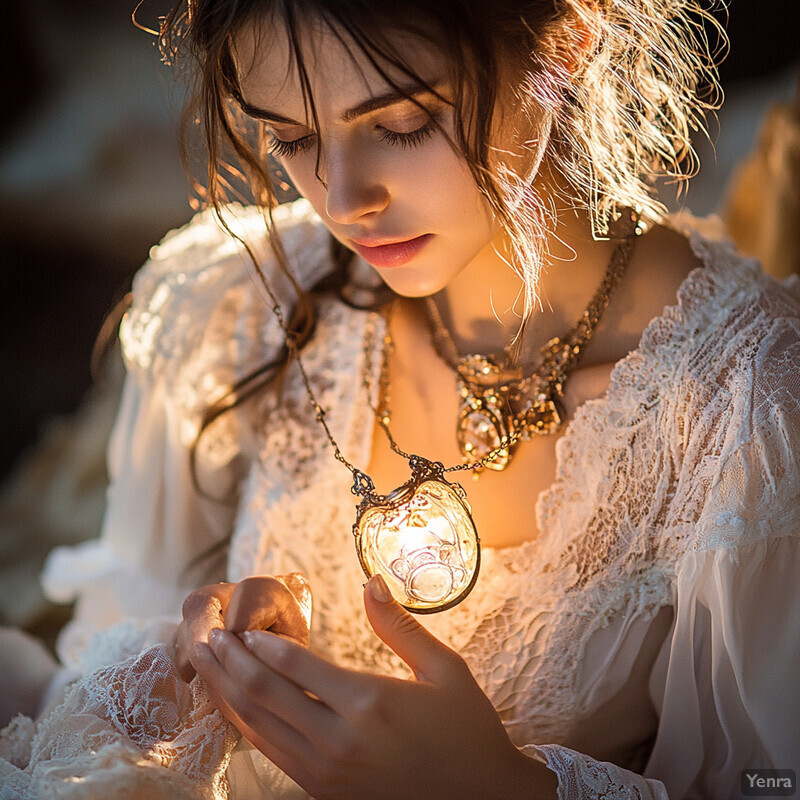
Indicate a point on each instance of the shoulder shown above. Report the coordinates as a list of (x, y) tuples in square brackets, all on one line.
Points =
[(198, 300), (724, 300), (729, 307)]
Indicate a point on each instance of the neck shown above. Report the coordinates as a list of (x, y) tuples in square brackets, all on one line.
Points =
[(483, 305)]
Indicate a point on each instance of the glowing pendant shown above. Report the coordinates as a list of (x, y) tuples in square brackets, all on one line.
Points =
[(421, 538)]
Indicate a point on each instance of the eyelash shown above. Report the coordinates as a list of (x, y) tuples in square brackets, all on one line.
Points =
[(283, 149)]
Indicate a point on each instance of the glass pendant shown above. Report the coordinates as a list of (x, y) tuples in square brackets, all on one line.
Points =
[(421, 538)]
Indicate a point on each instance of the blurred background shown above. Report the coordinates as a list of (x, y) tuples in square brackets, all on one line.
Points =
[(91, 177)]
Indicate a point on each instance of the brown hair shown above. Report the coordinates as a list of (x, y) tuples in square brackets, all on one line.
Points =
[(618, 120)]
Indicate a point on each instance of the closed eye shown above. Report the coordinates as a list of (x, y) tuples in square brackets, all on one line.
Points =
[(281, 148), (411, 138), (284, 148)]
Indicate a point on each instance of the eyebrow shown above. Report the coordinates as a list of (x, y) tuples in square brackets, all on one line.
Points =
[(367, 107)]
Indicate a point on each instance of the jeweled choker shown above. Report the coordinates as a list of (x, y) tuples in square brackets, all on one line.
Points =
[(500, 405)]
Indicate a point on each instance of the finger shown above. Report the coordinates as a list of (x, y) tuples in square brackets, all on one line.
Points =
[(213, 675), (299, 764), (266, 688), (183, 663), (335, 686), (266, 603), (270, 734), (207, 613), (202, 612), (431, 660), (298, 585)]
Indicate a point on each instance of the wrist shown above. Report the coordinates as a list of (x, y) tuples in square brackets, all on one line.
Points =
[(530, 779)]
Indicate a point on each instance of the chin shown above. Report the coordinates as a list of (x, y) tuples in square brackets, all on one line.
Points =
[(419, 280), (413, 286)]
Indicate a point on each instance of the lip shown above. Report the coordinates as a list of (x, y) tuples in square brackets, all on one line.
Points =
[(387, 253)]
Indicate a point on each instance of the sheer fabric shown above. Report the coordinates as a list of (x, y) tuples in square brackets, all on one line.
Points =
[(128, 730), (644, 646)]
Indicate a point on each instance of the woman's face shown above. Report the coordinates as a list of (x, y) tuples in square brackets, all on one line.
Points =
[(390, 186)]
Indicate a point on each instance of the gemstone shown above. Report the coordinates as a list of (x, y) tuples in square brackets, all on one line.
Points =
[(481, 431), (544, 417)]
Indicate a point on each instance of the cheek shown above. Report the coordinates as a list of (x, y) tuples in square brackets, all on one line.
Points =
[(435, 185), (300, 172)]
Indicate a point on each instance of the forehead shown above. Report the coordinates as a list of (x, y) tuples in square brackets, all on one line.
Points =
[(338, 71)]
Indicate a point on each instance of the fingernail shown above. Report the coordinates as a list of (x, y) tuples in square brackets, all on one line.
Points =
[(378, 589), (215, 636), (248, 638), (202, 651)]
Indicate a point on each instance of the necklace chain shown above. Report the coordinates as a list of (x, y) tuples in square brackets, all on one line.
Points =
[(363, 485), (559, 355), (562, 353), (382, 409), (488, 426), (360, 478)]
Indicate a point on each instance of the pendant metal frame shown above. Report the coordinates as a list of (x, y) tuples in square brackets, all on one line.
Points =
[(422, 473)]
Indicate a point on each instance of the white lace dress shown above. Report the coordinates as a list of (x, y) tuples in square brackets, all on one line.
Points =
[(646, 646)]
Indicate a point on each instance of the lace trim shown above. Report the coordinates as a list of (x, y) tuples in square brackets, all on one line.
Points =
[(583, 778)]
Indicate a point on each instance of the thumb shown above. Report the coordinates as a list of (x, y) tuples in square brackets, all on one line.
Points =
[(430, 660)]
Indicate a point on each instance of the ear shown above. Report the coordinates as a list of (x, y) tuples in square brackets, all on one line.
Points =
[(580, 35)]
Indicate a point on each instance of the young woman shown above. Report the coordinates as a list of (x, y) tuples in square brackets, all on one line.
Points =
[(622, 386)]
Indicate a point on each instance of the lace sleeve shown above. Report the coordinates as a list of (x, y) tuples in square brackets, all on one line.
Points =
[(154, 526), (724, 684), (727, 689), (197, 324), (583, 778)]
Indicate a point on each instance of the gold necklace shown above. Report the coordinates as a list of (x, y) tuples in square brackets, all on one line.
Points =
[(421, 537), (499, 406)]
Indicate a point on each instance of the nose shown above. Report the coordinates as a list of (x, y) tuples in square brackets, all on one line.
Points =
[(354, 186)]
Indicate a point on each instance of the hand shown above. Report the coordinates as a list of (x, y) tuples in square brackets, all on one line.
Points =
[(281, 605), (346, 734)]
